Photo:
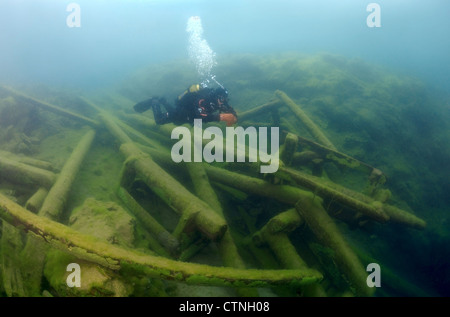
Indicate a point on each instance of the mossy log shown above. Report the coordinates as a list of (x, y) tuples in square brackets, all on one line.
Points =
[(139, 136), (304, 157), (165, 186), (357, 201), (203, 188), (372, 210), (312, 128), (52, 207), (10, 261), (275, 234), (288, 148), (283, 193), (285, 222), (165, 238), (335, 156), (24, 174), (400, 216), (57, 196), (173, 193), (94, 250), (227, 248), (34, 203), (27, 160), (327, 233), (259, 110), (47, 106)]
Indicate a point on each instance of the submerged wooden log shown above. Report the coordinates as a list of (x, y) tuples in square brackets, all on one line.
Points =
[(35, 202), (47, 106), (312, 128), (227, 248), (52, 207), (333, 155), (164, 237), (373, 210), (139, 136), (368, 206), (305, 157), (173, 193), (265, 108), (275, 234), (288, 148), (57, 196), (11, 245), (114, 257), (165, 186), (327, 233), (400, 216), (358, 202), (27, 160), (25, 174), (283, 193), (203, 188), (284, 222)]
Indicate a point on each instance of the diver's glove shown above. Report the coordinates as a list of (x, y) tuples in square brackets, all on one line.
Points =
[(143, 105), (229, 118)]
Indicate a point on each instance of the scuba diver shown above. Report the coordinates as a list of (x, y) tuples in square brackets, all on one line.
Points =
[(195, 103)]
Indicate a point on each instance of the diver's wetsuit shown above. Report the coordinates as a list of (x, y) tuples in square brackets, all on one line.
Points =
[(194, 103)]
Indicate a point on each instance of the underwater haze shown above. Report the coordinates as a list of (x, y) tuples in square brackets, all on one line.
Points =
[(118, 37), (354, 96)]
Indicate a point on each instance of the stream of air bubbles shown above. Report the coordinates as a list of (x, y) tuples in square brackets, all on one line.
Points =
[(200, 53)]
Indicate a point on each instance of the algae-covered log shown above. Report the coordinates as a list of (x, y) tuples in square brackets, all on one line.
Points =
[(202, 186), (56, 198), (227, 248), (173, 193), (400, 216), (354, 200), (312, 128), (283, 193), (167, 240), (27, 160), (259, 110), (35, 202), (289, 194), (333, 155), (47, 106), (10, 261), (25, 174), (372, 210), (97, 251), (52, 208), (275, 234), (304, 157), (284, 222), (288, 148), (327, 233), (165, 186)]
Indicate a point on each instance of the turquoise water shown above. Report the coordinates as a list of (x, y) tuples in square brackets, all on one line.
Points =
[(380, 94), (118, 37)]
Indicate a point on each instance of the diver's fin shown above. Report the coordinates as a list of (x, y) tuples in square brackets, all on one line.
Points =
[(143, 105)]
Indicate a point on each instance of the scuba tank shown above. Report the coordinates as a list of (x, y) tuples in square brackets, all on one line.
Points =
[(191, 89)]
